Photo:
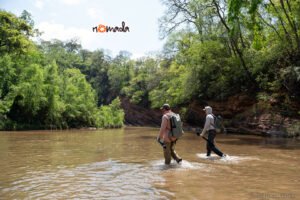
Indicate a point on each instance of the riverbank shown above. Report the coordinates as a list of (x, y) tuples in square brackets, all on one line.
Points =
[(242, 114)]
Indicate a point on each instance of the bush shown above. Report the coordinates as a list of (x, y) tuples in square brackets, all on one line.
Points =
[(112, 115)]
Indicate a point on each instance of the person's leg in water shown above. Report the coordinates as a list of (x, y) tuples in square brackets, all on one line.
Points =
[(174, 154), (211, 143), (208, 149), (167, 153)]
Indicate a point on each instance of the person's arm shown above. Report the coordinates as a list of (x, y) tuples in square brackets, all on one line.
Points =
[(206, 126), (163, 126)]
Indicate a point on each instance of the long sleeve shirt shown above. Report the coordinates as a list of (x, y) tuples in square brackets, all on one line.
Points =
[(209, 121)]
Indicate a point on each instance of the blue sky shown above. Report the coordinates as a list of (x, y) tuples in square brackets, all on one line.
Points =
[(67, 19)]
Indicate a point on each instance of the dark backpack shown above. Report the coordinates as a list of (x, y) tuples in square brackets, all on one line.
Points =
[(218, 123), (176, 126)]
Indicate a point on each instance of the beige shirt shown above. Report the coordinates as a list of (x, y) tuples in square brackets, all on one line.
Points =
[(165, 127)]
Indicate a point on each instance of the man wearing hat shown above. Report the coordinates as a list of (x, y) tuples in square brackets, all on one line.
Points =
[(209, 127), (169, 148)]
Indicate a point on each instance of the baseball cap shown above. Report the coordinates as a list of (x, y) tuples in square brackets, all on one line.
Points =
[(165, 106), (207, 108)]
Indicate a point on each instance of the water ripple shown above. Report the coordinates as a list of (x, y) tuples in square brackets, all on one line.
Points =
[(100, 180), (159, 165), (227, 160)]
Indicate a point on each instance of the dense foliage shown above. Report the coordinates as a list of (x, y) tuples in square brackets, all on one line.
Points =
[(219, 48), (41, 86), (214, 49), (235, 46)]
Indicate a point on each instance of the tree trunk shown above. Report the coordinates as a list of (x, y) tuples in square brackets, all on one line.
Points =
[(291, 23), (234, 45), (287, 35)]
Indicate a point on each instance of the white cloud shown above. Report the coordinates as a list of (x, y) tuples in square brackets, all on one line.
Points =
[(59, 31), (39, 4), (53, 14), (89, 39), (136, 56), (72, 2), (92, 12)]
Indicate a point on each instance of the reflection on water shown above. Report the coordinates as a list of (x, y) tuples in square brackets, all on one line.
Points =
[(128, 164)]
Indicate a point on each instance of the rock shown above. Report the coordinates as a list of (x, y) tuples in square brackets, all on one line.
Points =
[(276, 133), (137, 115)]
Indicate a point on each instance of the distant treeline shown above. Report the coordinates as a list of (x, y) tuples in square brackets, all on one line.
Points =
[(41, 85)]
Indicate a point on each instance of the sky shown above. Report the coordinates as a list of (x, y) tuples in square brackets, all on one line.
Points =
[(69, 19)]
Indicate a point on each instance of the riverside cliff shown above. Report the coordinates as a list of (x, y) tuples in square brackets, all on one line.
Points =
[(242, 114)]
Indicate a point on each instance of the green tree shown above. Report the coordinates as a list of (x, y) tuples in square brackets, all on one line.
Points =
[(79, 99), (55, 105), (144, 79), (119, 73), (28, 96), (111, 115), (14, 33)]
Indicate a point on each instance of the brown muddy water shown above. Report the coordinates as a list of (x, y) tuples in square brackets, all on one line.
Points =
[(128, 164)]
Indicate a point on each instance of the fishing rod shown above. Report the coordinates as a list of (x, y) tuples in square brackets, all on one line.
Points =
[(198, 130)]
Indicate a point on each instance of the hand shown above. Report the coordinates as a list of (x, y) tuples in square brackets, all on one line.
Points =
[(160, 140), (202, 134)]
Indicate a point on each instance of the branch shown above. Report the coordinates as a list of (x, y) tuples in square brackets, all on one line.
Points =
[(180, 6), (291, 22), (175, 26), (221, 18), (282, 24), (270, 25)]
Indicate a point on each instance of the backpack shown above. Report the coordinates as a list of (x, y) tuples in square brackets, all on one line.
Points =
[(176, 126), (218, 125)]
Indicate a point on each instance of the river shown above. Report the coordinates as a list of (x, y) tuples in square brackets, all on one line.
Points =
[(128, 164)]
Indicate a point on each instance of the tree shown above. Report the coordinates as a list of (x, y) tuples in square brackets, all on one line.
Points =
[(28, 96), (79, 99), (119, 73), (111, 115), (96, 70), (41, 86), (14, 34), (53, 91), (145, 78)]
